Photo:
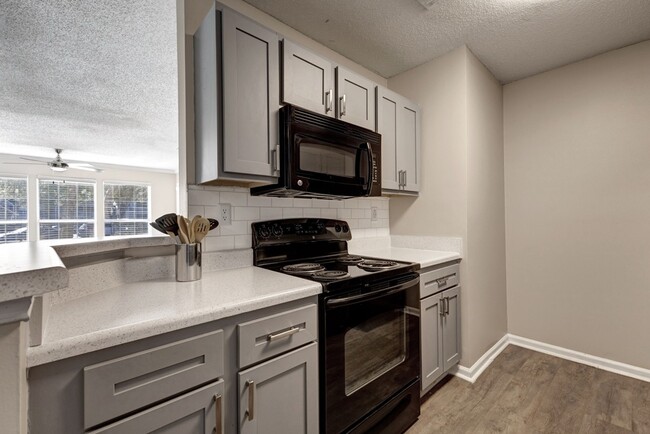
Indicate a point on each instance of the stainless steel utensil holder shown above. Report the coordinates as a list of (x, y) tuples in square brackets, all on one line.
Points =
[(188, 262)]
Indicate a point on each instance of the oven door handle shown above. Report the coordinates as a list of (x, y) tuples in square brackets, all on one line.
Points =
[(352, 299)]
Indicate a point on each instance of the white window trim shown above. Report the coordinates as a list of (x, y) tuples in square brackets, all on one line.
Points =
[(104, 220), (29, 214)]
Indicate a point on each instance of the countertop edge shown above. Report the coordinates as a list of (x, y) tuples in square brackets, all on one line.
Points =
[(82, 344)]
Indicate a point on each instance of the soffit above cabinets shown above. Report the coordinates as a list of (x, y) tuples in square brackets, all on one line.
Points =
[(97, 79), (513, 38)]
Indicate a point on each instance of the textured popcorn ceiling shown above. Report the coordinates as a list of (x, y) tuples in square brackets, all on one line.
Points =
[(513, 38), (96, 78)]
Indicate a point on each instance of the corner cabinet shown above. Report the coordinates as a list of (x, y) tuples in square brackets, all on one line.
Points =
[(315, 83), (236, 76), (398, 121), (439, 322)]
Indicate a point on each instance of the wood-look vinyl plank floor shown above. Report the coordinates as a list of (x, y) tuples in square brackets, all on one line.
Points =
[(524, 391)]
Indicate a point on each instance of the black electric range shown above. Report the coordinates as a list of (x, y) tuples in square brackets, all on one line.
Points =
[(369, 326)]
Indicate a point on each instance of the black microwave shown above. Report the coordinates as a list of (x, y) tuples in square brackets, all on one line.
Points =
[(324, 158)]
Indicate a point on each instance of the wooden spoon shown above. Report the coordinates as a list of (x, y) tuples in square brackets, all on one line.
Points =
[(200, 228), (183, 229)]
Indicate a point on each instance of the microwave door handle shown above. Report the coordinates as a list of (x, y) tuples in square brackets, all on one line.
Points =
[(352, 299), (368, 150)]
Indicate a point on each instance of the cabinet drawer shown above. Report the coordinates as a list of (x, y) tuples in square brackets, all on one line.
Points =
[(199, 412), (122, 385), (266, 337), (438, 280)]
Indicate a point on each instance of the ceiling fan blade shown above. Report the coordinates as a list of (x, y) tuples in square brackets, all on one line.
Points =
[(14, 162), (84, 166), (41, 160)]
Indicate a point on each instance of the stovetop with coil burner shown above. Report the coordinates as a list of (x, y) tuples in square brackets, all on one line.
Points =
[(316, 249)]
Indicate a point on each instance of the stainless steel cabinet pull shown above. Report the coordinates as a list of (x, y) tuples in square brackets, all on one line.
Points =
[(328, 101), (446, 306), (275, 159), (251, 399), (218, 414), (405, 178), (342, 106), (442, 306), (285, 334), (442, 281), (401, 178)]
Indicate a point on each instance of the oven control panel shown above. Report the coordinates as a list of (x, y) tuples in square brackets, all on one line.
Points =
[(299, 229)]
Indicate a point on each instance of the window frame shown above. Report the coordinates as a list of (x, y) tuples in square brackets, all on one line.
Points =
[(27, 199), (125, 220), (62, 179)]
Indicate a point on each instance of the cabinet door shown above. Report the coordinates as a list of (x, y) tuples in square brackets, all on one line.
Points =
[(408, 145), (251, 93), (198, 412), (387, 113), (281, 395), (431, 339), (451, 328), (307, 79), (355, 98)]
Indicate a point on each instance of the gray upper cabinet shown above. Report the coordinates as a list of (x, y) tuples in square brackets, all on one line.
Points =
[(355, 98), (398, 121), (308, 82), (307, 79), (237, 88)]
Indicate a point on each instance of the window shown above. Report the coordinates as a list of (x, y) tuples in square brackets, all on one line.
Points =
[(126, 209), (66, 209), (13, 210)]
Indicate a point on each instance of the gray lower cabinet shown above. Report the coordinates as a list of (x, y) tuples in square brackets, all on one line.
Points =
[(439, 322), (196, 412), (236, 72), (281, 394), (398, 121)]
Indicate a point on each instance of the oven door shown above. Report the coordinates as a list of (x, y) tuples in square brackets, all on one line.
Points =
[(371, 349), (332, 164)]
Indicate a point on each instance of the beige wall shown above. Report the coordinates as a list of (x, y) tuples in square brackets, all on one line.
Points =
[(577, 172), (486, 255), (462, 185)]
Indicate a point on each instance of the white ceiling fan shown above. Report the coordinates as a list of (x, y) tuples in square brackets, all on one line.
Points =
[(58, 165)]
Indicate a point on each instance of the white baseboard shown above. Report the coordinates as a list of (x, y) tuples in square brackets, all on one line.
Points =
[(586, 359), (471, 374)]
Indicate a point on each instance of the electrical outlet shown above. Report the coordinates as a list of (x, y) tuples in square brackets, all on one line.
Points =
[(225, 214), (373, 213)]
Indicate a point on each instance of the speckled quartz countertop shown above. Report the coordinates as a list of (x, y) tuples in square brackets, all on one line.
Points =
[(139, 310), (28, 269), (426, 258)]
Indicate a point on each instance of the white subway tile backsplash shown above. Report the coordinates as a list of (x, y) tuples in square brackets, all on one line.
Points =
[(270, 213), (193, 210), (290, 213), (247, 209), (328, 213), (279, 202), (259, 201), (234, 198), (311, 212), (245, 213)]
